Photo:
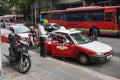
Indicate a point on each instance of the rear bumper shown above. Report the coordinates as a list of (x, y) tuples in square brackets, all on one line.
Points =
[(100, 59)]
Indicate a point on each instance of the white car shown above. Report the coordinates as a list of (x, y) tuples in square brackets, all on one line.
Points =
[(21, 30), (74, 44)]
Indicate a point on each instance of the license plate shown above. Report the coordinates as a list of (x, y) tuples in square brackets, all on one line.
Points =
[(109, 56)]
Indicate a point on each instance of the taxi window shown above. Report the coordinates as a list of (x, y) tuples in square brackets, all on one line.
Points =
[(57, 38), (66, 36)]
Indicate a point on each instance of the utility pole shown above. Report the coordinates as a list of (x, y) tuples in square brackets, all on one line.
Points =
[(35, 13)]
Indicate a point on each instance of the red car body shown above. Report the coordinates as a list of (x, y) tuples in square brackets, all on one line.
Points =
[(4, 34), (79, 47)]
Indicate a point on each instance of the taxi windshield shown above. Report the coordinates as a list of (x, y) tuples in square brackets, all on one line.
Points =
[(80, 38), (21, 29)]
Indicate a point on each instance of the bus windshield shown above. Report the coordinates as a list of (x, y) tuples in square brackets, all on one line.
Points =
[(118, 15)]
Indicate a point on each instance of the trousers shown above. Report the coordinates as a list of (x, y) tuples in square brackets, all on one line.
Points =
[(42, 47)]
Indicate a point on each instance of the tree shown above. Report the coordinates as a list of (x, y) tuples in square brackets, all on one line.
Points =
[(16, 6), (4, 7)]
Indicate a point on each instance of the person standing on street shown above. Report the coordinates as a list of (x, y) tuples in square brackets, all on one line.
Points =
[(95, 33), (42, 34)]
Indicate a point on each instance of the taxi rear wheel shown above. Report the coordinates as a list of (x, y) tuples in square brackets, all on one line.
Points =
[(83, 59)]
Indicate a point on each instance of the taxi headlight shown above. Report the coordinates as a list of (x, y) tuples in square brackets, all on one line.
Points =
[(100, 53)]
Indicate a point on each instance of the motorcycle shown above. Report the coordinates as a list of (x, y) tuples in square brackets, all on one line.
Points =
[(18, 54)]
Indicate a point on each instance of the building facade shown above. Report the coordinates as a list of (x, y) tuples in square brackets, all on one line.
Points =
[(63, 4)]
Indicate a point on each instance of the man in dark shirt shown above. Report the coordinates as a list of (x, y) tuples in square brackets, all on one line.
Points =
[(95, 33)]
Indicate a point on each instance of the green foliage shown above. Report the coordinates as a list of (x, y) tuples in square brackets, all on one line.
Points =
[(45, 9), (19, 6), (15, 6)]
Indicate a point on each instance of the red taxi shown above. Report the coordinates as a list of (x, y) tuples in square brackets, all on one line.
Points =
[(21, 30), (74, 44), (4, 34)]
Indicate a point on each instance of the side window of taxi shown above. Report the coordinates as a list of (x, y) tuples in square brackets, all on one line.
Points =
[(56, 38), (53, 38)]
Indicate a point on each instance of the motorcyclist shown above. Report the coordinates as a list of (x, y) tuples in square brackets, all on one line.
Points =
[(33, 35), (13, 41)]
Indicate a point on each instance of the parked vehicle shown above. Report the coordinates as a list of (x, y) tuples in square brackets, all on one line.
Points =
[(106, 19), (21, 30), (18, 54), (75, 44), (4, 34)]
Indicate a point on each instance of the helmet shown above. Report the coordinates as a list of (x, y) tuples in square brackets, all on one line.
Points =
[(31, 27), (12, 36)]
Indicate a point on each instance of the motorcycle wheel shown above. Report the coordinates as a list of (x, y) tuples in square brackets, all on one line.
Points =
[(24, 65)]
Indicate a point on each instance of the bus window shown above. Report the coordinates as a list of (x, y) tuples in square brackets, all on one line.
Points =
[(89, 16), (97, 15), (45, 16), (108, 16), (118, 16), (75, 16), (58, 16)]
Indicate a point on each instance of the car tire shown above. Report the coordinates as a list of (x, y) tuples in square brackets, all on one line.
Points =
[(83, 59)]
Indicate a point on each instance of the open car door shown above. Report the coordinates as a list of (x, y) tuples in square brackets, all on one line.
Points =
[(61, 48)]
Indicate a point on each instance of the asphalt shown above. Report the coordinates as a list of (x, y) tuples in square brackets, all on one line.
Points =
[(51, 69)]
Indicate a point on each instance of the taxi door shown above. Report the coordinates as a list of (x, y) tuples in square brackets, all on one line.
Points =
[(63, 49), (68, 50)]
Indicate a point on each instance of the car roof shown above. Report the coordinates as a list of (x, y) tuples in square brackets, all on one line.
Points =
[(14, 26), (67, 31)]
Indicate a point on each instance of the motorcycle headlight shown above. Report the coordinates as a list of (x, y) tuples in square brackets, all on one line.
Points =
[(25, 49)]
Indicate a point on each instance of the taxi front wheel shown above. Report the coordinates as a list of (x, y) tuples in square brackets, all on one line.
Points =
[(83, 59)]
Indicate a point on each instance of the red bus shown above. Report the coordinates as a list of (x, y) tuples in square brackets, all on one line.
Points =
[(107, 19)]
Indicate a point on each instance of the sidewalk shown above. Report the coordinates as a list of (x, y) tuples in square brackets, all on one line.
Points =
[(52, 69)]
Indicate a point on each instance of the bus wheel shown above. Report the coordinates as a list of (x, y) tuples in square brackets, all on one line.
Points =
[(83, 59)]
